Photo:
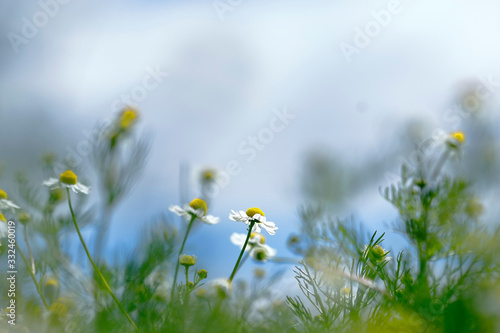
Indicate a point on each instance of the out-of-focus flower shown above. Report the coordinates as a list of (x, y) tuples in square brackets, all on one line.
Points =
[(456, 139), (128, 117), (67, 179), (255, 215), (196, 208), (208, 175), (51, 289), (6, 204), (258, 250), (24, 217), (259, 273)]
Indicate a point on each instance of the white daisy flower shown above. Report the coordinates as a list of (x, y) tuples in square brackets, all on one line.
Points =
[(258, 250), (196, 208), (6, 204), (218, 288), (455, 140), (254, 215), (67, 179)]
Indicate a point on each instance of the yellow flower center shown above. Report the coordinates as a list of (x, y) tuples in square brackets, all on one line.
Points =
[(128, 118), (68, 177), (254, 210), (262, 239), (199, 204), (3, 195), (459, 136), (2, 218)]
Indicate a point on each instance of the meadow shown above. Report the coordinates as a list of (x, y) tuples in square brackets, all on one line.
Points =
[(445, 279)]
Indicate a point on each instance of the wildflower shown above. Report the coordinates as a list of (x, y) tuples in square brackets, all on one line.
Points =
[(67, 179), (202, 274), (255, 215), (259, 273), (24, 217), (6, 204), (222, 287), (258, 250), (128, 118), (208, 176), (187, 260), (345, 291), (377, 253), (51, 289), (456, 139), (196, 208)]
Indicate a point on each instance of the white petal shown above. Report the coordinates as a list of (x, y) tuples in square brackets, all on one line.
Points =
[(238, 239), (240, 216), (210, 219), (268, 251), (80, 188), (50, 182), (256, 228), (3, 229), (7, 204), (270, 227), (177, 210)]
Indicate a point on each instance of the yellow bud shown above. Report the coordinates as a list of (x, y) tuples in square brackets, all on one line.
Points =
[(2, 218), (199, 204), (128, 118), (252, 211), (187, 260), (202, 274), (3, 195), (68, 177), (24, 217), (51, 289)]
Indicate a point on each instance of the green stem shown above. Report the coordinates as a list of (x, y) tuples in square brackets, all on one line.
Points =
[(187, 277), (242, 251), (34, 278), (98, 271), (29, 250), (193, 217)]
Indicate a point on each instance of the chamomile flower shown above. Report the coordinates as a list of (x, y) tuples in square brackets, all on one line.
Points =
[(456, 139), (255, 215), (187, 260), (6, 204), (196, 208), (256, 247), (67, 179)]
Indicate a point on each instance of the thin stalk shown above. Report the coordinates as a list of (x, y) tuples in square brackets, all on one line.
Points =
[(242, 251), (193, 217), (29, 250), (33, 277), (98, 271)]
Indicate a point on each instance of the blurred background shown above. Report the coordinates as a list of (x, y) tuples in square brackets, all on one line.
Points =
[(297, 101)]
